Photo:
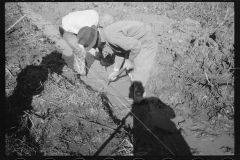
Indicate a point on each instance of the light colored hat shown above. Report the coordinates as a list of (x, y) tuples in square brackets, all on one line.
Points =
[(105, 20)]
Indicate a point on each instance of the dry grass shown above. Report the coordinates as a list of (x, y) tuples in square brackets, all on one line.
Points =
[(198, 63), (55, 112)]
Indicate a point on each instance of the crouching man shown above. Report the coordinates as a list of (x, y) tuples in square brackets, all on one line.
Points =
[(132, 37), (71, 24)]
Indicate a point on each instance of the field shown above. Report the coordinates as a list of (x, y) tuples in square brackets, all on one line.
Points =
[(52, 111)]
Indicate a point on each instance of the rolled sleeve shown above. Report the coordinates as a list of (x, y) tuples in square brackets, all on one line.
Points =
[(118, 62)]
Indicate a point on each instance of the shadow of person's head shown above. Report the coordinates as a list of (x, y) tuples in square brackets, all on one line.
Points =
[(32, 77), (53, 62), (152, 118), (136, 91), (30, 82)]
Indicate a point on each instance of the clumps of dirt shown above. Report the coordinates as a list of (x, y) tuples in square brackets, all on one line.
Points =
[(195, 67), (50, 111), (71, 117)]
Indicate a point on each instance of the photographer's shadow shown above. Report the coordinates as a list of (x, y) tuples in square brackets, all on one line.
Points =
[(153, 131), (30, 82)]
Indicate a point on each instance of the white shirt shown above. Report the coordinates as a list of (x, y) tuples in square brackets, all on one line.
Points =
[(74, 21)]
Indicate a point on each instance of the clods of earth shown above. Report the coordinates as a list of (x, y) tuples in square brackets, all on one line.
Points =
[(189, 107)]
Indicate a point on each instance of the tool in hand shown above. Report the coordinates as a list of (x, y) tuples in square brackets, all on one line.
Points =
[(127, 66), (120, 71)]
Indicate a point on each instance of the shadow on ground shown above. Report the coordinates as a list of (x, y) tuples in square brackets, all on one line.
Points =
[(154, 134), (153, 131), (29, 83), (153, 113)]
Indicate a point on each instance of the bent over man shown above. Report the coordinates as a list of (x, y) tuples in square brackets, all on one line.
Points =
[(124, 37), (71, 24)]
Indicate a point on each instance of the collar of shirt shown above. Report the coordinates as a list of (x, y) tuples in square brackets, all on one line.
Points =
[(102, 34)]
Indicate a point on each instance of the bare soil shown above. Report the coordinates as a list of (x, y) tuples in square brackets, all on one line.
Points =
[(189, 105)]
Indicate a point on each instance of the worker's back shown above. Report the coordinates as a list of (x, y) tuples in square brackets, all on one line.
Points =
[(76, 20)]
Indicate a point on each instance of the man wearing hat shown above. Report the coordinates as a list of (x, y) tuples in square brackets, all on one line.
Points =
[(71, 25), (132, 38)]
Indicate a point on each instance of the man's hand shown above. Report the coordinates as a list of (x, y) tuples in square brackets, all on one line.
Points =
[(128, 64), (106, 50), (113, 75), (93, 51)]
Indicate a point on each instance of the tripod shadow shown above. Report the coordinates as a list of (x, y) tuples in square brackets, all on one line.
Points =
[(29, 83), (161, 137)]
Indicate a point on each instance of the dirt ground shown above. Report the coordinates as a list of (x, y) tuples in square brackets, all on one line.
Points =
[(189, 107)]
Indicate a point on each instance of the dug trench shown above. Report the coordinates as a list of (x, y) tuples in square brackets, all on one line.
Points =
[(97, 117)]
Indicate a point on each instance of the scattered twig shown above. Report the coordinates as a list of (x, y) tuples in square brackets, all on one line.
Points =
[(207, 77), (88, 142), (49, 101), (226, 86), (104, 126), (29, 118), (112, 152), (9, 72), (59, 87), (15, 23), (66, 140)]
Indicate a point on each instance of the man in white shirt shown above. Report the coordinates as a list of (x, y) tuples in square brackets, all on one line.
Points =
[(71, 24)]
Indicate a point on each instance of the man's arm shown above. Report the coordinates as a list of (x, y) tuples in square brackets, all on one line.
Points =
[(118, 63), (73, 42), (77, 60)]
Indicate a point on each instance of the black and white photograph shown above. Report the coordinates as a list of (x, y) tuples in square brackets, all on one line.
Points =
[(114, 79)]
